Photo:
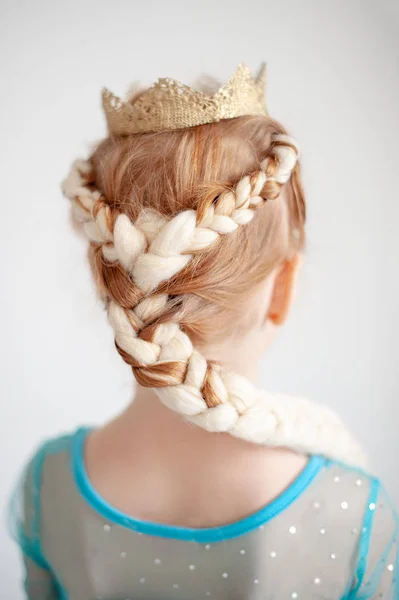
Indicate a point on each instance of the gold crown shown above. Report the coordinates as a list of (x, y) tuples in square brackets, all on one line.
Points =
[(169, 104)]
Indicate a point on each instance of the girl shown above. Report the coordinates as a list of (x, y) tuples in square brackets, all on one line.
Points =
[(204, 486)]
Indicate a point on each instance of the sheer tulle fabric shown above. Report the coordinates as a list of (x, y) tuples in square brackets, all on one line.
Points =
[(332, 534)]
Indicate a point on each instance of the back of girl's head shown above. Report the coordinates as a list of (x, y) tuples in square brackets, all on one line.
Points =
[(193, 168), (194, 233)]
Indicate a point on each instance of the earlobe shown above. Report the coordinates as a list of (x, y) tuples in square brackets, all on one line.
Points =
[(283, 292)]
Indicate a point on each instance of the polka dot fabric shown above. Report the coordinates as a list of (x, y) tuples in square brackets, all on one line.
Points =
[(332, 534)]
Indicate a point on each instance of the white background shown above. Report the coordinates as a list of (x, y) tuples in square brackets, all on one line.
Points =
[(333, 81)]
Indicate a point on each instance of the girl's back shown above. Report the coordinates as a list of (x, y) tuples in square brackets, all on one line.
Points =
[(332, 533)]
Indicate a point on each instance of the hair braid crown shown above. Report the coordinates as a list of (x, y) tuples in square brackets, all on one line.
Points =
[(152, 250)]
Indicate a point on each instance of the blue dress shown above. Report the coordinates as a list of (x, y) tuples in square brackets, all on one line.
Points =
[(332, 534)]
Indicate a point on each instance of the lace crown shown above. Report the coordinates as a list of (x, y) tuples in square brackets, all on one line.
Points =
[(169, 104)]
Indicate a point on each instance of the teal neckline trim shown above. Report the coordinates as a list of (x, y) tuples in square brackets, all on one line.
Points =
[(205, 535)]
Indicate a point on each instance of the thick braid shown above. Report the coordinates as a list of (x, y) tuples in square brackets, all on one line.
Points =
[(154, 249), (140, 257)]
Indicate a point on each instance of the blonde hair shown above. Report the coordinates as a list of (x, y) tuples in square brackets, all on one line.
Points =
[(192, 169), (157, 208), (183, 225)]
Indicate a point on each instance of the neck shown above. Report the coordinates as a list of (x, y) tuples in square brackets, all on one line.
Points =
[(208, 478), (158, 430), (241, 354), (153, 425), (188, 476)]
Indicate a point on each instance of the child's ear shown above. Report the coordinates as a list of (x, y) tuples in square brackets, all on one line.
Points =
[(283, 291)]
